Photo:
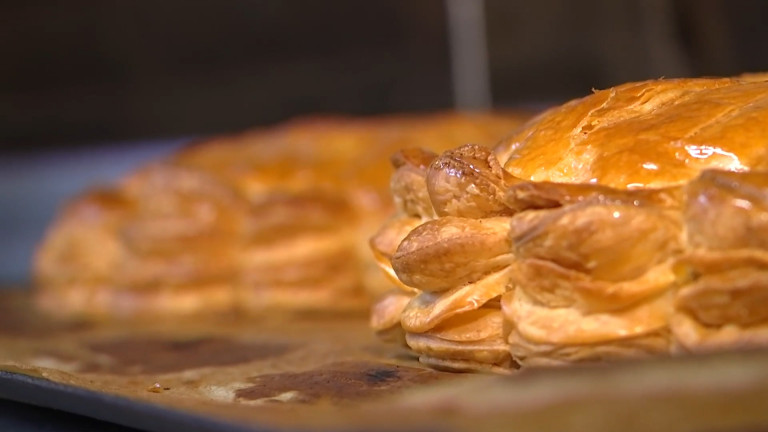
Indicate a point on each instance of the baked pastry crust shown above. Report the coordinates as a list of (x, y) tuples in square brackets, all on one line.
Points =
[(612, 217), (271, 218), (649, 134)]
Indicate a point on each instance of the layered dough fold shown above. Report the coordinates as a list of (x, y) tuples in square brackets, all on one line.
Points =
[(510, 257), (617, 274), (723, 296)]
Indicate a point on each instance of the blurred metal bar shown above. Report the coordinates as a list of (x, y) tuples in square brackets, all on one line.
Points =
[(666, 55), (470, 72)]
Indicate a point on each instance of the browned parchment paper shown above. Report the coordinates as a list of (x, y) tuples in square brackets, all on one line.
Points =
[(331, 373)]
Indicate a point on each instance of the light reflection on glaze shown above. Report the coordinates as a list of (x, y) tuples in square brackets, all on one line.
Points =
[(741, 203), (701, 200), (650, 166), (453, 172), (704, 151)]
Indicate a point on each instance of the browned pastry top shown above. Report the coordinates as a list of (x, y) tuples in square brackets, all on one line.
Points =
[(646, 134)]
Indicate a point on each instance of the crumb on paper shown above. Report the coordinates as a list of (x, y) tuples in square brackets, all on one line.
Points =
[(157, 388)]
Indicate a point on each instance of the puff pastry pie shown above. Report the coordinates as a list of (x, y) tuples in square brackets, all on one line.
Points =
[(632, 222), (272, 218)]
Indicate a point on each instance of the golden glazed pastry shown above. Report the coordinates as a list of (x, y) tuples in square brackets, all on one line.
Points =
[(629, 223), (271, 218)]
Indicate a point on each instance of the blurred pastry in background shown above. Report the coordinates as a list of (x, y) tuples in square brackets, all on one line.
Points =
[(274, 218)]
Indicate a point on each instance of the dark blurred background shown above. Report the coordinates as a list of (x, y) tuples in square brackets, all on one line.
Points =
[(80, 71), (90, 88)]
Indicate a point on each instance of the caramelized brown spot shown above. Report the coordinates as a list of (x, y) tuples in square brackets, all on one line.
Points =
[(161, 356), (340, 382)]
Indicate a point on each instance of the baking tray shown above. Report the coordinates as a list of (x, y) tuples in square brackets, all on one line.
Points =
[(110, 409), (330, 373)]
